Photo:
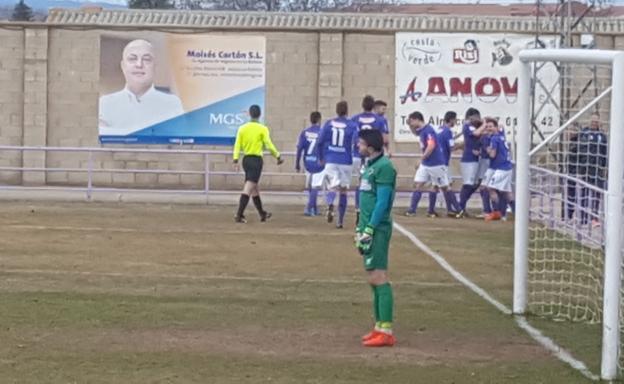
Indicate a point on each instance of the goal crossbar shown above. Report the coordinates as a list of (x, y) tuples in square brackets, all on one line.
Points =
[(613, 219)]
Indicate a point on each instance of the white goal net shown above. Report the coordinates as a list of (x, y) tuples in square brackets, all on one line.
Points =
[(567, 186), (567, 212)]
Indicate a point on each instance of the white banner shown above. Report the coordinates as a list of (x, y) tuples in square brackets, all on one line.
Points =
[(440, 72)]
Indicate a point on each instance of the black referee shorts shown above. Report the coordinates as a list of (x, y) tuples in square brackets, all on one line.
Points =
[(252, 165)]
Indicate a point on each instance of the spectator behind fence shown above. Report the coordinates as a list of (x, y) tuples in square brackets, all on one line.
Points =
[(587, 161)]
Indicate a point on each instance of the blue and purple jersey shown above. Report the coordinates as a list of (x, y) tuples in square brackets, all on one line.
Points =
[(446, 142), (428, 136), (502, 160), (337, 140), (471, 143), (369, 120), (386, 126), (484, 141), (307, 147)]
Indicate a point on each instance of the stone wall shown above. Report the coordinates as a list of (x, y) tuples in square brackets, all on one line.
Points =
[(49, 96), (11, 100)]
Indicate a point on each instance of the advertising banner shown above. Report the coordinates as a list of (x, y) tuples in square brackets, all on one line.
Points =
[(158, 88), (440, 72)]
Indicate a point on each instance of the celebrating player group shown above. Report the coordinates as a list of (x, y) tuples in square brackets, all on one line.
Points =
[(330, 158), (485, 165)]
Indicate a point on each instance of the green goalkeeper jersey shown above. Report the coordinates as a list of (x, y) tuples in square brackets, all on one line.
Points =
[(375, 207)]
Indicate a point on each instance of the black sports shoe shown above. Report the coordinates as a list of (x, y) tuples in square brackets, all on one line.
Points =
[(330, 214), (265, 216), (338, 225), (240, 219)]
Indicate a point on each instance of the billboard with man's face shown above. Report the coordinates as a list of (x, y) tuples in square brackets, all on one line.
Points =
[(158, 88)]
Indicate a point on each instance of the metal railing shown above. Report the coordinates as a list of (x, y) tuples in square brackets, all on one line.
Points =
[(91, 169)]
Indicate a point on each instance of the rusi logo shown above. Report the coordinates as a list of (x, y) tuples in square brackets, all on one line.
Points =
[(501, 55), (421, 51), (467, 55)]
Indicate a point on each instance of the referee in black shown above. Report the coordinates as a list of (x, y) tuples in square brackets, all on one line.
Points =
[(252, 139)]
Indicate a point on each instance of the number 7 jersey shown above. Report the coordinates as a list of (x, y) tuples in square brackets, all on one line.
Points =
[(307, 146), (337, 140)]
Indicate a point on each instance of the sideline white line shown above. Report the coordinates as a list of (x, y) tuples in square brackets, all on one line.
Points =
[(211, 277), (545, 341)]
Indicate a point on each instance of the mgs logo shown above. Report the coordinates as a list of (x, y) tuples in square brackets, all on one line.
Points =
[(467, 55), (421, 51)]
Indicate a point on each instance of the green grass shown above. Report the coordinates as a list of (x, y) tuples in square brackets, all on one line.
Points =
[(156, 294)]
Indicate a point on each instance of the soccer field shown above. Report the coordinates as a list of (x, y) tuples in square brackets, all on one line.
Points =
[(124, 293)]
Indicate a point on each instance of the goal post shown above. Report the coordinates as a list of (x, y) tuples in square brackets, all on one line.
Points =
[(611, 246)]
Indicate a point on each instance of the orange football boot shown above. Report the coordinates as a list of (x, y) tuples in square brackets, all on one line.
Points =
[(370, 335), (493, 216), (380, 340)]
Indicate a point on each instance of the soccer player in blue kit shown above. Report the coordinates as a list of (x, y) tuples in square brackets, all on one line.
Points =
[(484, 162), (367, 120), (432, 168), (307, 148), (336, 143), (447, 143), (472, 171), (500, 180)]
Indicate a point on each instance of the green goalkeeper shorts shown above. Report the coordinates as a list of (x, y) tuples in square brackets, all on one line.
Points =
[(377, 257)]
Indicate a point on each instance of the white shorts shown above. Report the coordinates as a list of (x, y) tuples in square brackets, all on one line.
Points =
[(487, 177), (437, 175), (501, 180), (448, 175), (338, 175), (474, 171), (315, 180), (469, 172)]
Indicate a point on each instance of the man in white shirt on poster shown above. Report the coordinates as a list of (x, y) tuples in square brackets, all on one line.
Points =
[(139, 104)]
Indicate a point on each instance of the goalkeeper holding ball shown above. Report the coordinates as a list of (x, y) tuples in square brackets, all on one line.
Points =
[(374, 230)]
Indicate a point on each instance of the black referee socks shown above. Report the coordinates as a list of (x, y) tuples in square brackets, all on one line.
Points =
[(242, 204), (258, 203)]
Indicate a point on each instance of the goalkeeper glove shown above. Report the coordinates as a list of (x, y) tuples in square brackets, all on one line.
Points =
[(365, 240)]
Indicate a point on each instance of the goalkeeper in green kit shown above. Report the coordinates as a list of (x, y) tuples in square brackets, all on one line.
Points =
[(374, 230)]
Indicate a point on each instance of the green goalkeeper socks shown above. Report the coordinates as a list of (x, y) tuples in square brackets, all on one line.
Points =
[(375, 303), (385, 302)]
